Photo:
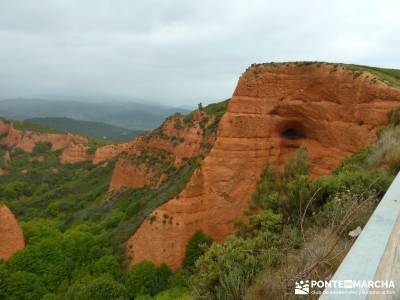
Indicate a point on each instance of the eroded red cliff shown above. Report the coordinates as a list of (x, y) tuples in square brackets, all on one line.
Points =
[(74, 148), (11, 236), (179, 138), (274, 110)]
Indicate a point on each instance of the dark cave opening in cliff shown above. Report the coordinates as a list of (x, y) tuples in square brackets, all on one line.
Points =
[(293, 133)]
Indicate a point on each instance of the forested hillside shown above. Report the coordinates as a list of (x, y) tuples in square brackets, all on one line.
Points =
[(92, 129)]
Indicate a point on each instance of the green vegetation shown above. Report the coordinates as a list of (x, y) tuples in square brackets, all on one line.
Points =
[(217, 109), (42, 127), (146, 279), (35, 127), (76, 231), (41, 148), (390, 76), (386, 152), (97, 130), (195, 248), (214, 109)]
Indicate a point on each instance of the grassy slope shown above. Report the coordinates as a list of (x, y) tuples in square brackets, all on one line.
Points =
[(30, 126), (390, 76)]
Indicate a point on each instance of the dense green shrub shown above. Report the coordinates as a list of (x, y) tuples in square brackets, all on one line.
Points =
[(179, 279), (83, 247), (298, 193), (386, 151), (39, 229), (45, 259), (226, 270), (106, 288), (41, 148), (394, 117), (297, 164), (4, 274), (50, 296), (107, 264), (164, 274), (177, 293), (195, 248), (23, 285), (142, 279)]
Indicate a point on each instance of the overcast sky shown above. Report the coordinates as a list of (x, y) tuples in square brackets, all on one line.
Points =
[(180, 52)]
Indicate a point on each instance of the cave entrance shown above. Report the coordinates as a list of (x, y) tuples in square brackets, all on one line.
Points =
[(293, 132)]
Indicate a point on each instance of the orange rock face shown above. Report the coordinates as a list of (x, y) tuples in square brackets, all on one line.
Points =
[(129, 175), (11, 236), (274, 110), (175, 137), (109, 152), (74, 147), (4, 127), (26, 140), (75, 153)]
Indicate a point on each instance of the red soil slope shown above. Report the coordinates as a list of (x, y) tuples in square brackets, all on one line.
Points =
[(11, 236)]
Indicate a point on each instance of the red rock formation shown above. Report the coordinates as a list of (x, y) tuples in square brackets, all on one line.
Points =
[(179, 138), (109, 152), (129, 175), (26, 140), (11, 236), (3, 172), (4, 127), (274, 110), (75, 153), (74, 147)]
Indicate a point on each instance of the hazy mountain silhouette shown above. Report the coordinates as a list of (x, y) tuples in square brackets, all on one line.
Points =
[(136, 116)]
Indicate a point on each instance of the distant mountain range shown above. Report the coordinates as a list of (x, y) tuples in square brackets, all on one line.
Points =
[(87, 128), (130, 115)]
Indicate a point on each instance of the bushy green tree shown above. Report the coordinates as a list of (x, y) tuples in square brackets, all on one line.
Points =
[(142, 279), (3, 279), (45, 259), (41, 148), (82, 247), (297, 164), (179, 278), (163, 275), (107, 264), (298, 194), (50, 296), (79, 291), (226, 270), (24, 286), (106, 288), (39, 229), (195, 248)]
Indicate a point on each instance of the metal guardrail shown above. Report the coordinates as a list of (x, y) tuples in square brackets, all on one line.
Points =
[(375, 255)]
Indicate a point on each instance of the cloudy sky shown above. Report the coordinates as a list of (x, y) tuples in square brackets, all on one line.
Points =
[(179, 52)]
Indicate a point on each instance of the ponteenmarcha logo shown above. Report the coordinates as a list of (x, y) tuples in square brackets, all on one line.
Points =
[(302, 287)]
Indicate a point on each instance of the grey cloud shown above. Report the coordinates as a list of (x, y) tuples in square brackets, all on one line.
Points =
[(179, 52)]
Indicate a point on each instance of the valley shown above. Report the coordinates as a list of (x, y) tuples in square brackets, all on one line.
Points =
[(219, 203)]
